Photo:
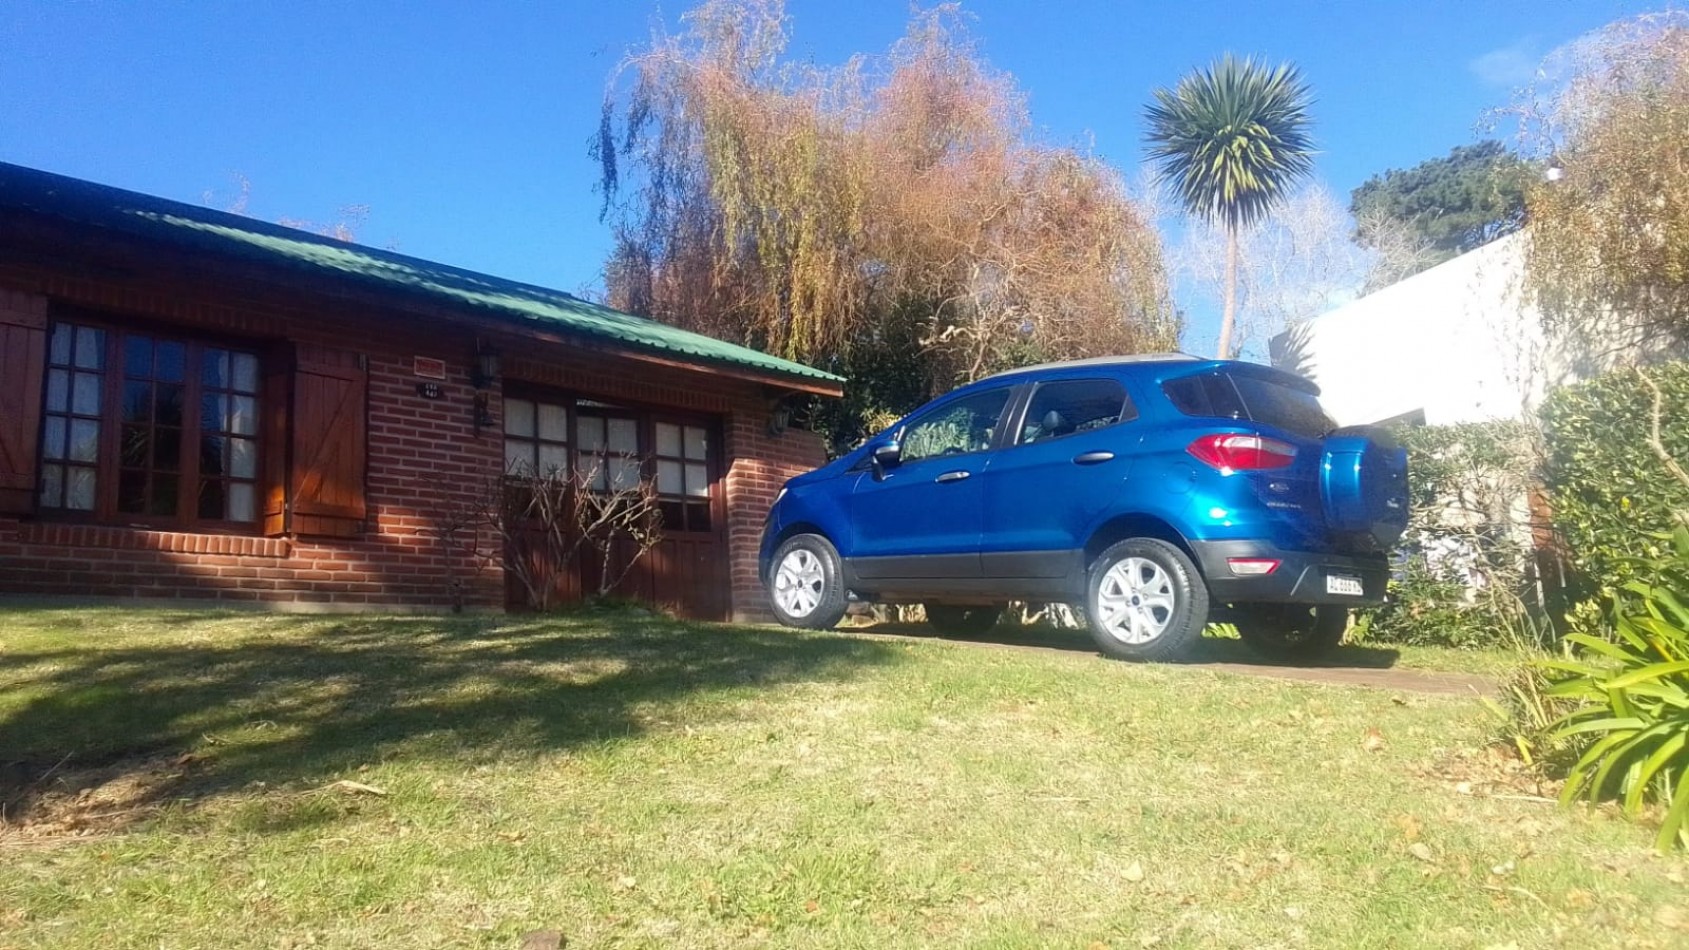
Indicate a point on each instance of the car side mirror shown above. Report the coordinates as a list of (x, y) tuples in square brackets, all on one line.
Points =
[(887, 456)]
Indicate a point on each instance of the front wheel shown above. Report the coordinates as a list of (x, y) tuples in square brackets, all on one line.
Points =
[(1294, 632), (804, 586), (1145, 601)]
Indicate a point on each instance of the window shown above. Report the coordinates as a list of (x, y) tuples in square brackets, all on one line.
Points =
[(139, 427), (1072, 406), (614, 447), (609, 449), (683, 476), (1239, 396), (536, 437), (1206, 395), (1291, 409), (966, 425)]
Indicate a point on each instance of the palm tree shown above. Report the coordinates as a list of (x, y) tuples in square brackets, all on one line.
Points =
[(1232, 138)]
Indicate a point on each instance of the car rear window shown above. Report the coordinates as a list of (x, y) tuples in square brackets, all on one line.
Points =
[(1237, 396)]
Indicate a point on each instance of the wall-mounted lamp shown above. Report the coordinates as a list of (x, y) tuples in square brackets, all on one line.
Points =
[(486, 369), (779, 418)]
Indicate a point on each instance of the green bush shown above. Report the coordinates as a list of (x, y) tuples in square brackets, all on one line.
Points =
[(1632, 696), (1612, 496), (1461, 567)]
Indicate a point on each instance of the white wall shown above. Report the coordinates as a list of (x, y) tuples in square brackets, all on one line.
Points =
[(1454, 341)]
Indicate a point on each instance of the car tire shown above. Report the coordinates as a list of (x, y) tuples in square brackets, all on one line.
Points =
[(1292, 632), (1145, 600), (957, 621), (805, 585)]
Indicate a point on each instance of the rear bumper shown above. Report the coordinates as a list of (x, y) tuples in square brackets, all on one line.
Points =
[(1301, 577)]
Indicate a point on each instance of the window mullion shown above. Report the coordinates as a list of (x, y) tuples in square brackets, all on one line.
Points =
[(187, 457), (106, 461)]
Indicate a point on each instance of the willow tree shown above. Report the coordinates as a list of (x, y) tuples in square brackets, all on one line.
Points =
[(1608, 259), (844, 216), (1232, 140)]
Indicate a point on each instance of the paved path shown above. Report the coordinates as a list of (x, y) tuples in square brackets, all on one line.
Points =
[(1350, 666)]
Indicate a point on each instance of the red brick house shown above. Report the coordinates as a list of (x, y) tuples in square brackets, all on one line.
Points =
[(198, 404)]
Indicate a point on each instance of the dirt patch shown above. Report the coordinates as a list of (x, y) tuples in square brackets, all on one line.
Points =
[(1407, 681), (44, 805), (1347, 666)]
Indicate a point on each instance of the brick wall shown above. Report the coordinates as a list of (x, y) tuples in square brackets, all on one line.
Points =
[(761, 463), (426, 459)]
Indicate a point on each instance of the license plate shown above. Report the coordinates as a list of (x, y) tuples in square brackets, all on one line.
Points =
[(1344, 584)]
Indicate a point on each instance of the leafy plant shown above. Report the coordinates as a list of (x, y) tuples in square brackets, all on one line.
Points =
[(1461, 576), (1610, 494), (1632, 696)]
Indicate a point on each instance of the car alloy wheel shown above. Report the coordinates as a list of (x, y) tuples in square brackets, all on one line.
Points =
[(799, 583), (1136, 600)]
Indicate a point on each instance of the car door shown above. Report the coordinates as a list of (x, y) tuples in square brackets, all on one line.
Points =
[(1056, 476), (920, 518)]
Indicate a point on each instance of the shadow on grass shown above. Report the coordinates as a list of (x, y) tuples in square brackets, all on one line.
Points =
[(305, 699), (1209, 649)]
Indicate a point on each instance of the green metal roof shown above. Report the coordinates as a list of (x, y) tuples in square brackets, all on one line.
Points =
[(187, 226)]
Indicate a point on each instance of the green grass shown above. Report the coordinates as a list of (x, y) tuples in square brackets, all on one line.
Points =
[(631, 781)]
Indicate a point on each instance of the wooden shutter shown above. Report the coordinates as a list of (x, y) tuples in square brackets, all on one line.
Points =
[(277, 398), (23, 358), (329, 447)]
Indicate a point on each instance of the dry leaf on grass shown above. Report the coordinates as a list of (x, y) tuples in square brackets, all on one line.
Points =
[(355, 788), (1373, 741), (1134, 872), (1421, 851)]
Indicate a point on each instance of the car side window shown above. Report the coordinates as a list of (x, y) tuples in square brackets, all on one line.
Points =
[(966, 425), (1209, 395), (1072, 406)]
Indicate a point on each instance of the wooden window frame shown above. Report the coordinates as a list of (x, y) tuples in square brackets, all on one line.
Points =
[(108, 464), (645, 417)]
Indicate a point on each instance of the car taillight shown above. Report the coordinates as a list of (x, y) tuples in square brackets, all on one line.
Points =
[(1235, 452)]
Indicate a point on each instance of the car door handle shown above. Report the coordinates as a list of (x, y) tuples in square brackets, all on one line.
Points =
[(952, 476), (1092, 458)]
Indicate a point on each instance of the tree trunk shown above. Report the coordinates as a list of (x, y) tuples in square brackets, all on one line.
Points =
[(1229, 318)]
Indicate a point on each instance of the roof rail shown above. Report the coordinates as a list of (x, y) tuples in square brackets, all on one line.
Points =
[(1104, 361)]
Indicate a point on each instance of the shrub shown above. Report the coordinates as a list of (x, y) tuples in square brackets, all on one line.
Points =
[(1462, 566), (1632, 696), (1612, 494)]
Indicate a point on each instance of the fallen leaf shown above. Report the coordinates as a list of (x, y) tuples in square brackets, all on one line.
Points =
[(1503, 869), (1399, 700), (1463, 788), (1373, 741), (627, 883), (1419, 850), (1294, 913), (357, 788), (811, 907), (1134, 872), (1410, 827)]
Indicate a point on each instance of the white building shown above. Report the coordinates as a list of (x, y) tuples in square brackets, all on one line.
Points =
[(1456, 343)]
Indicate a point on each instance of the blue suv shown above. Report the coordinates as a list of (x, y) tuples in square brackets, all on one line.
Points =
[(1159, 493)]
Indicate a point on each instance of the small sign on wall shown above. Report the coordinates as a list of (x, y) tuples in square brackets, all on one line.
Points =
[(428, 367), (430, 390)]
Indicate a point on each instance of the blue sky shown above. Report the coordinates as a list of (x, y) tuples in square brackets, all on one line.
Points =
[(464, 126)]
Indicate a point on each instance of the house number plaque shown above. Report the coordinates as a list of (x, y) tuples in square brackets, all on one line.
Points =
[(430, 390)]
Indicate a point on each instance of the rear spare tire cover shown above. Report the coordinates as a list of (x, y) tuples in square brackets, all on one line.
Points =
[(1363, 485)]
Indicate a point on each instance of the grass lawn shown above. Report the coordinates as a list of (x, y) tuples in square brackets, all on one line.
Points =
[(228, 780)]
